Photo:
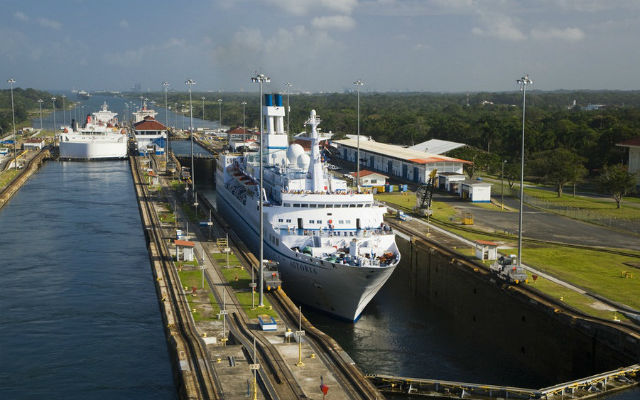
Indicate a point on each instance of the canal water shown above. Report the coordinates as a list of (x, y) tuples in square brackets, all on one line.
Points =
[(124, 108), (80, 318)]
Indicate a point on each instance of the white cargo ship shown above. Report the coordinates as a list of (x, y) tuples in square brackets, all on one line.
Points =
[(333, 248), (99, 138)]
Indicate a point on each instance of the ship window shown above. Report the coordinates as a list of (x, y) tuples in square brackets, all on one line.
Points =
[(352, 205), (348, 221), (321, 205), (280, 220), (287, 204), (313, 205), (319, 221), (367, 205), (329, 214), (288, 220), (341, 221), (360, 205), (296, 205)]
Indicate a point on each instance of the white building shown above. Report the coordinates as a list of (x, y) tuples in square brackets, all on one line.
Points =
[(634, 156), (151, 136), (370, 178), (477, 192), (408, 164), (33, 143)]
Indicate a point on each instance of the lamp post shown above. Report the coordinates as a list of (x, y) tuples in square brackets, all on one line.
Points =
[(502, 186), (261, 79), (244, 104), (53, 104), (358, 83), (64, 114), (523, 83), (288, 85), (191, 82), (11, 81), (203, 99), (165, 85), (220, 115), (40, 101)]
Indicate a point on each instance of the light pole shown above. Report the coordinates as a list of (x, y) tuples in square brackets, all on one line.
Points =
[(502, 186), (203, 99), (191, 82), (523, 82), (358, 83), (260, 79), (40, 101), (53, 104), (165, 85), (220, 115), (288, 85), (64, 114), (11, 81), (244, 129)]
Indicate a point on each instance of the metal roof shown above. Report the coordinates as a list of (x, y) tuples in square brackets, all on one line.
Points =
[(398, 152), (437, 146)]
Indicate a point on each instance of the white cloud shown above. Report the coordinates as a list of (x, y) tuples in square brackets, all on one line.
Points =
[(142, 55), (124, 23), (304, 7), (568, 34), (49, 23), (20, 16), (498, 26), (342, 22)]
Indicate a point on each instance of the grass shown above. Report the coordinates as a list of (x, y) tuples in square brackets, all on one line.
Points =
[(239, 280), (595, 206), (191, 213), (7, 176), (177, 185), (407, 201), (598, 272), (193, 278), (221, 258)]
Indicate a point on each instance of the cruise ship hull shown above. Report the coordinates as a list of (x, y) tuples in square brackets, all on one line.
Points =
[(93, 150), (340, 290)]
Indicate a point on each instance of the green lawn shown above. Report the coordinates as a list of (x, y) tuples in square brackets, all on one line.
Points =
[(221, 259), (592, 207), (598, 272), (407, 202), (7, 176), (239, 280), (205, 305)]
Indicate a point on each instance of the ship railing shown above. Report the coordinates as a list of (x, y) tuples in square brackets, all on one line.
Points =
[(348, 233)]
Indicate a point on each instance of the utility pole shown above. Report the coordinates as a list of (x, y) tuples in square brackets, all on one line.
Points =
[(523, 82), (358, 83)]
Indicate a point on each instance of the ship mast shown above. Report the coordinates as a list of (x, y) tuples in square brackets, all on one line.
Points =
[(315, 166)]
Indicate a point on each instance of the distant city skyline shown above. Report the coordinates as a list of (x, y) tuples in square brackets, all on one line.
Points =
[(321, 45)]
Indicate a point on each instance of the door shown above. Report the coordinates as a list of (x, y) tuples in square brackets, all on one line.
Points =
[(405, 171), (390, 167), (416, 175), (300, 223), (370, 161), (358, 223)]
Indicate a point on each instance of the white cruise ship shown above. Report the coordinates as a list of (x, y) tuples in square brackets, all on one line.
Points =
[(333, 248), (99, 138)]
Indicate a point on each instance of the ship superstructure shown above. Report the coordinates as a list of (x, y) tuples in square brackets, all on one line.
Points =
[(99, 138), (144, 112), (333, 248)]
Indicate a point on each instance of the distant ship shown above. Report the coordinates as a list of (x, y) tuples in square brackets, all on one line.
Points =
[(83, 94), (144, 112), (332, 246), (99, 138)]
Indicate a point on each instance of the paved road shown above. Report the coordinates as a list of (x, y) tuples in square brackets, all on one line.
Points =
[(546, 226)]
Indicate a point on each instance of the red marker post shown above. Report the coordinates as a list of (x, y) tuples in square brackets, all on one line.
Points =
[(324, 388)]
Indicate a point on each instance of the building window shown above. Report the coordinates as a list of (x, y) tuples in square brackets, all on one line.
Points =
[(374, 181)]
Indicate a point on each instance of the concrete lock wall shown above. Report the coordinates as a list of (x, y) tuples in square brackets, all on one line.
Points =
[(556, 345)]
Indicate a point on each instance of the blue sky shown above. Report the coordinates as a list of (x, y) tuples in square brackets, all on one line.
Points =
[(321, 45)]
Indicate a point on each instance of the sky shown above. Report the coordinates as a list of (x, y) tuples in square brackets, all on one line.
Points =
[(321, 45)]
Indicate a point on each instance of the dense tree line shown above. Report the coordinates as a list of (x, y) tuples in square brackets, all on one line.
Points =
[(490, 123), (25, 100)]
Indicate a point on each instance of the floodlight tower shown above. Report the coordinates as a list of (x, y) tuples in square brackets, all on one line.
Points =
[(523, 83), (220, 115), (11, 81), (191, 82), (165, 85), (358, 83), (53, 104), (261, 79), (40, 101)]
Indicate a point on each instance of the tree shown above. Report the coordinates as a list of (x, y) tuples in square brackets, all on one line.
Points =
[(617, 181), (557, 167)]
